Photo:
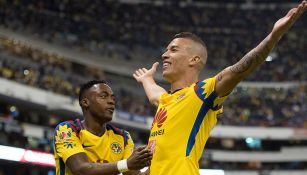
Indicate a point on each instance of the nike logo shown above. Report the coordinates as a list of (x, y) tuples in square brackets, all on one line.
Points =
[(86, 146)]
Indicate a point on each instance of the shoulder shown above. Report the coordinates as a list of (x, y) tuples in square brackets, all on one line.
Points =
[(118, 131), (205, 85), (205, 88), (69, 127), (206, 82)]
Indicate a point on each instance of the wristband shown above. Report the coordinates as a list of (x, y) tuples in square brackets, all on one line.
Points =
[(122, 166)]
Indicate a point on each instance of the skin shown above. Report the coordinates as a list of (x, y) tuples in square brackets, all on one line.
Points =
[(98, 104), (181, 65)]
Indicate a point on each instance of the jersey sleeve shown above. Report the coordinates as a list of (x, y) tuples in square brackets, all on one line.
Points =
[(129, 145), (205, 90), (66, 141)]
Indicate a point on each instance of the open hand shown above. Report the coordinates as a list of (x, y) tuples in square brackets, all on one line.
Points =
[(140, 158), (285, 23), (142, 73)]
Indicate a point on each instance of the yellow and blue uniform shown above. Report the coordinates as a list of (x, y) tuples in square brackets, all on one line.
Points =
[(71, 138), (181, 128)]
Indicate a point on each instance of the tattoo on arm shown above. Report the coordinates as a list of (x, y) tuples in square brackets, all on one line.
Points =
[(252, 59), (220, 75)]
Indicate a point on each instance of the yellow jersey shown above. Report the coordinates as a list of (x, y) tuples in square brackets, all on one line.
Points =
[(71, 138), (181, 128)]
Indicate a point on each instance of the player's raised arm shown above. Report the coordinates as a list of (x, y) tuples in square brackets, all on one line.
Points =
[(152, 90), (231, 76)]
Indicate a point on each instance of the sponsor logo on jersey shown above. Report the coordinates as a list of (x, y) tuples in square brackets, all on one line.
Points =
[(157, 133), (69, 144), (160, 118), (87, 146)]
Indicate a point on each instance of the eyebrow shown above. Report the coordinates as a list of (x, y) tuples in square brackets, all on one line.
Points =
[(172, 47), (106, 92)]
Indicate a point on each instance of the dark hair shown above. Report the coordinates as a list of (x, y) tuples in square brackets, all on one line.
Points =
[(192, 37), (88, 85)]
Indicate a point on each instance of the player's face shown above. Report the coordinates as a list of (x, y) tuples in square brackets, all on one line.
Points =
[(175, 59), (102, 102)]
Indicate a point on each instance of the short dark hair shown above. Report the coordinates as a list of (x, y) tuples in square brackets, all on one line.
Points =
[(87, 86), (190, 36)]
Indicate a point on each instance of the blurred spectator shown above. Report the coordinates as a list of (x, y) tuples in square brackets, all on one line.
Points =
[(138, 32)]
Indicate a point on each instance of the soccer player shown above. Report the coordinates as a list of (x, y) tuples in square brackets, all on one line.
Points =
[(188, 112), (92, 146)]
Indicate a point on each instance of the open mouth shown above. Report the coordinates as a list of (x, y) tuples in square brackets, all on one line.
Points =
[(166, 64)]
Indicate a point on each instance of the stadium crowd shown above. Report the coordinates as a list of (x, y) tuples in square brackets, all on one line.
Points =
[(247, 106), (120, 30)]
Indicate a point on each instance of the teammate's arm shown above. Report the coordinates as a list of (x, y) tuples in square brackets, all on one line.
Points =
[(152, 90), (79, 163), (231, 76)]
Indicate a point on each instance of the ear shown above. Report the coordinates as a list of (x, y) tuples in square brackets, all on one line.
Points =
[(194, 60), (85, 102)]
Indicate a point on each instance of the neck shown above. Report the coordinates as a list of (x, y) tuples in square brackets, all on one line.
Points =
[(183, 82), (93, 126)]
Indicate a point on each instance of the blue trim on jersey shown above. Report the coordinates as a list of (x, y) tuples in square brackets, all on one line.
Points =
[(126, 138), (208, 104), (119, 132), (217, 107), (198, 88), (62, 167)]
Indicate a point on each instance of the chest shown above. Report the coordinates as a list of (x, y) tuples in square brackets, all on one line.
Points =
[(103, 149)]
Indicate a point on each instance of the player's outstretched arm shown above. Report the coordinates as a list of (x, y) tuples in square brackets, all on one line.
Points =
[(79, 163), (231, 76), (146, 77)]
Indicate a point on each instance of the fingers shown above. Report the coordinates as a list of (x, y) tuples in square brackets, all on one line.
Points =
[(301, 8), (135, 76), (295, 13), (144, 70), (143, 153), (155, 65), (139, 73), (145, 150), (140, 158), (139, 149)]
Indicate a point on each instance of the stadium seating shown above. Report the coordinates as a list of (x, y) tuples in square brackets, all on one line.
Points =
[(274, 97)]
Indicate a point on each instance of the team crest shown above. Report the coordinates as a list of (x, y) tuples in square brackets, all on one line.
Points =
[(116, 148)]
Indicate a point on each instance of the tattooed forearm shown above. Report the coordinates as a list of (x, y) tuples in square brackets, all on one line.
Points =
[(252, 59), (243, 65), (220, 75)]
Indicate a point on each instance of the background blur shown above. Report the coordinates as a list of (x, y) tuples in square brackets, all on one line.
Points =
[(49, 47)]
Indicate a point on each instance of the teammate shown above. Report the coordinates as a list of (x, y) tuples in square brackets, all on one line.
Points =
[(92, 146), (187, 113)]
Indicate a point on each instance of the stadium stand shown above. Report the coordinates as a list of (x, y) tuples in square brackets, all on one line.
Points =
[(263, 128)]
